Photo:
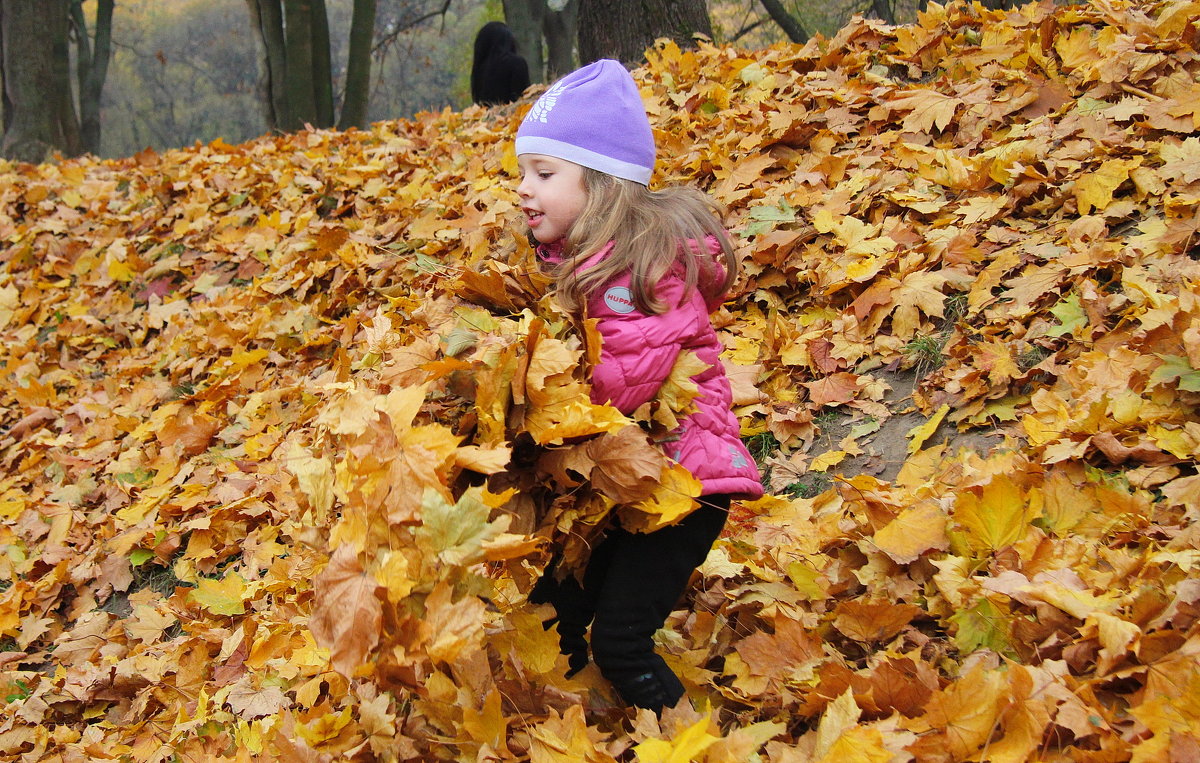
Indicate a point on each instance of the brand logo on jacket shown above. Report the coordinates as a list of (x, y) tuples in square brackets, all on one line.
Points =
[(619, 300), (736, 459)]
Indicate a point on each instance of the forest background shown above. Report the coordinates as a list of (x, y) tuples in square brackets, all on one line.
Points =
[(191, 70)]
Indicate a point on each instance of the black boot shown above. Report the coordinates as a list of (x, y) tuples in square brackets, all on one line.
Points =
[(571, 642), (574, 614), (655, 690)]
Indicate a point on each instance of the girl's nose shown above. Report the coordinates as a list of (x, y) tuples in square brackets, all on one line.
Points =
[(522, 190)]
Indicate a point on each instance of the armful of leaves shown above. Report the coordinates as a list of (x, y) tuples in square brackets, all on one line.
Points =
[(506, 284), (504, 288)]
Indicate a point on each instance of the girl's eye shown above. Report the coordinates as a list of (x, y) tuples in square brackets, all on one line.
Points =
[(545, 175)]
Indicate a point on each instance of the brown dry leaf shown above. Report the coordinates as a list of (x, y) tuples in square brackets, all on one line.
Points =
[(964, 716), (833, 390), (627, 467), (902, 685), (873, 621), (349, 616), (790, 648), (251, 702)]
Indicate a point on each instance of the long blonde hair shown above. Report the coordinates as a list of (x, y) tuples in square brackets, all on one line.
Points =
[(650, 231)]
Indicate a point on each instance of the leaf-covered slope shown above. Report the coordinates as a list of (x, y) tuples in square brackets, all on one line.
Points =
[(287, 426)]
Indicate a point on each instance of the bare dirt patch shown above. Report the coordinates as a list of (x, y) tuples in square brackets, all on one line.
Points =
[(873, 444)]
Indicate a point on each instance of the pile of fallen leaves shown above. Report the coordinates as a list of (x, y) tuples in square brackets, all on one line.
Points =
[(288, 428)]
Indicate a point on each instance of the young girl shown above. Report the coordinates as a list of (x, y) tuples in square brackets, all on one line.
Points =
[(650, 266)]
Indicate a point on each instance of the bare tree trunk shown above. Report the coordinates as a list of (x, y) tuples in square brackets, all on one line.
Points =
[(883, 10), (322, 65), (560, 29), (623, 29), (525, 19), (267, 16), (298, 64), (34, 64), (63, 97), (91, 66), (358, 66), (790, 25), (6, 105)]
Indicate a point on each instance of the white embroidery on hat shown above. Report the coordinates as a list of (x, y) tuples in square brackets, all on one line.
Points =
[(619, 300), (542, 108)]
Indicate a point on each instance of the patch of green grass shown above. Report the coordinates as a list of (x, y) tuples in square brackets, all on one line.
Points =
[(1032, 357), (162, 580), (810, 485), (182, 390), (924, 352), (761, 446), (826, 418), (954, 309)]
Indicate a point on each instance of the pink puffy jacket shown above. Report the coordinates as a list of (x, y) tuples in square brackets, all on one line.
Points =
[(636, 357)]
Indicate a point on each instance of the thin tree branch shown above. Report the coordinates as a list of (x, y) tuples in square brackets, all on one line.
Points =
[(392, 35), (739, 34), (790, 25)]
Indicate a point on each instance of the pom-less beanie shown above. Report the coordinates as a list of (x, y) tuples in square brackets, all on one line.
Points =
[(593, 117)]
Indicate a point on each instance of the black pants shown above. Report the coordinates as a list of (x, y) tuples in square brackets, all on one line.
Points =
[(631, 584)]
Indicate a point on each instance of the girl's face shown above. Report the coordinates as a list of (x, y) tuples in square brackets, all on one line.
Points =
[(552, 195)]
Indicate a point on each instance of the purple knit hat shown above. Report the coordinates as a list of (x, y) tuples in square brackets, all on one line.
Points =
[(593, 117)]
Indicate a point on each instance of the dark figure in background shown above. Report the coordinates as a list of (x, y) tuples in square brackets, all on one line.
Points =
[(498, 73)]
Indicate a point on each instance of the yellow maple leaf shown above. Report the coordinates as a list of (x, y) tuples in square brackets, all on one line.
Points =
[(1024, 721), (394, 574), (1166, 715), (455, 533), (1080, 604), (673, 497), (572, 417), (676, 394), (685, 747), (455, 627), (119, 270), (488, 724), (221, 597), (919, 434), (996, 517), (325, 728), (1095, 189), (146, 623), (564, 739), (313, 475), (858, 744), (1077, 48), (928, 109), (352, 413), (10, 301), (826, 460), (483, 460), (840, 716), (914, 531), (964, 715), (919, 293), (1176, 17)]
